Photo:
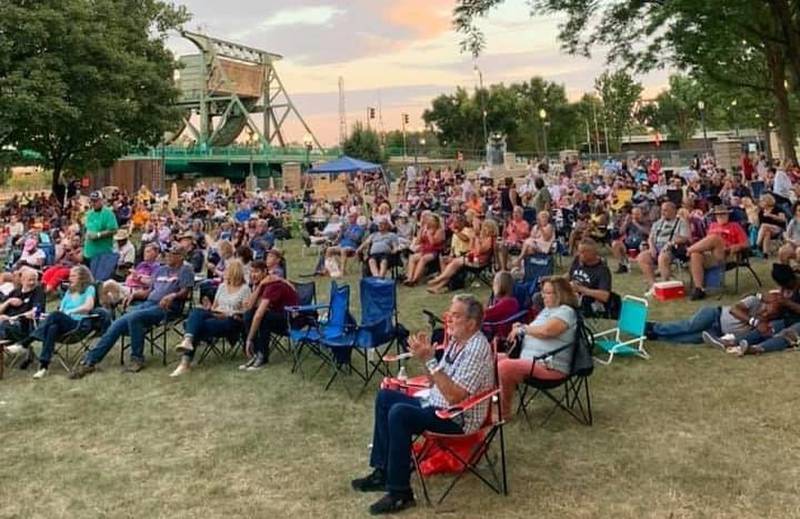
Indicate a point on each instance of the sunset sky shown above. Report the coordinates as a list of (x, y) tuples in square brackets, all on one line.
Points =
[(403, 52)]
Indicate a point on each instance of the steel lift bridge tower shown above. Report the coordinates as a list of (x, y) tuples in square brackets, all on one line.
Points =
[(228, 86)]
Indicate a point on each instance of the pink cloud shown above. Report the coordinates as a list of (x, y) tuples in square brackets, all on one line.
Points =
[(427, 19)]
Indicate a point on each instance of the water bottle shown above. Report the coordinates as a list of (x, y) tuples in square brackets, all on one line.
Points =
[(402, 376)]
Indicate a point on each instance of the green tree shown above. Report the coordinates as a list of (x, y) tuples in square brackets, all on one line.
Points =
[(746, 44), (86, 80), (618, 92), (363, 143), (675, 111)]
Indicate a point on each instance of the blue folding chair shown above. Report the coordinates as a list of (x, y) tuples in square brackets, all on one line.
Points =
[(306, 335), (306, 296), (628, 337), (372, 338), (537, 266)]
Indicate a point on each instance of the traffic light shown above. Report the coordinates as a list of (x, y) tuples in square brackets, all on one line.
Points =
[(372, 113), (405, 119)]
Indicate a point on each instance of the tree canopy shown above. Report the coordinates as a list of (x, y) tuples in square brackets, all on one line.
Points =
[(743, 45), (363, 143), (83, 81)]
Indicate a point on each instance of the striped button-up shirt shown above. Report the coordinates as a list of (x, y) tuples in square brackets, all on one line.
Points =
[(470, 367)]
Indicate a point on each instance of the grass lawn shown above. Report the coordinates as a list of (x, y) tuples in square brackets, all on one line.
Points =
[(689, 433)]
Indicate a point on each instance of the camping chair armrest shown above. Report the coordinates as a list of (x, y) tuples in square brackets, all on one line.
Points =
[(451, 412), (553, 352), (543, 356), (432, 318), (508, 320), (606, 332), (305, 308)]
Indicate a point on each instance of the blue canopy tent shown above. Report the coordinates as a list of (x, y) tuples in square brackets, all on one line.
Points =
[(345, 164), (350, 166)]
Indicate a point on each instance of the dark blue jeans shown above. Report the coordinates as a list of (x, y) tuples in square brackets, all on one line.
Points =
[(135, 323), (398, 417), (202, 325), (775, 342), (690, 331), (53, 327), (272, 322)]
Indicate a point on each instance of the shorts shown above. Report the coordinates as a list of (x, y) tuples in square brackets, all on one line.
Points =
[(380, 257), (709, 260)]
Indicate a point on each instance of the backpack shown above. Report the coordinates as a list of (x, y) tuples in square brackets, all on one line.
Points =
[(583, 356)]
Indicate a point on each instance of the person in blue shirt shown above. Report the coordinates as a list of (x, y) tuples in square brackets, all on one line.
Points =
[(76, 304), (350, 240), (243, 214), (171, 288), (263, 240)]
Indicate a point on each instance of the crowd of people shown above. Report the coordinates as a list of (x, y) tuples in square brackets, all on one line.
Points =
[(119, 264)]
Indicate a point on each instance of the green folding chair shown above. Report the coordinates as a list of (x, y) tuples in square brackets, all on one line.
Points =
[(627, 339)]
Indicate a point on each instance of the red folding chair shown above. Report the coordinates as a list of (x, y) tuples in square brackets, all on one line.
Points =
[(462, 453)]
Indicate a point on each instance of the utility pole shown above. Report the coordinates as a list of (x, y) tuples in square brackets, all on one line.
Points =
[(404, 121)]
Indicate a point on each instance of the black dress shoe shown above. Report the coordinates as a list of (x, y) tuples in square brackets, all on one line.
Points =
[(375, 482), (392, 503)]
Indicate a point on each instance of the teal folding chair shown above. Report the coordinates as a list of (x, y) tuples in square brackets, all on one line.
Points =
[(627, 339)]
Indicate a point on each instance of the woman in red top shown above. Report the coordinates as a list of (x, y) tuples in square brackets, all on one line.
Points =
[(480, 254), (504, 305), (427, 247)]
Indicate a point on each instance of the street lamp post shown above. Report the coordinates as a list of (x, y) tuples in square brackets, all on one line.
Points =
[(545, 123), (702, 107), (308, 141), (483, 106), (420, 142), (733, 114)]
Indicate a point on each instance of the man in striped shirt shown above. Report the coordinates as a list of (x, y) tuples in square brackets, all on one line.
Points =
[(464, 371)]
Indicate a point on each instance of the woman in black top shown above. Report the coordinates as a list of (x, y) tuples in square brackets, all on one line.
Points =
[(772, 223)]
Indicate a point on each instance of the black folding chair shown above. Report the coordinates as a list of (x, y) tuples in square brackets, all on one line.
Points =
[(741, 260), (71, 346), (575, 398)]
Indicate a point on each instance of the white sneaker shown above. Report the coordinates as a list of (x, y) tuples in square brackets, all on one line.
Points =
[(40, 374), (182, 369), (15, 349), (249, 363), (185, 345), (650, 292)]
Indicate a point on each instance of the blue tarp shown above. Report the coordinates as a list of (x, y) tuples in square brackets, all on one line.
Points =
[(345, 164)]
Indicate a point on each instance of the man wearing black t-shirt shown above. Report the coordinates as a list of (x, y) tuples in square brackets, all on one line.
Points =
[(591, 279), (16, 312)]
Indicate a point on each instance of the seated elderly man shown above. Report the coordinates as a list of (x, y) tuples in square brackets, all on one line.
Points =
[(18, 310), (465, 370), (668, 236), (172, 286), (723, 239)]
